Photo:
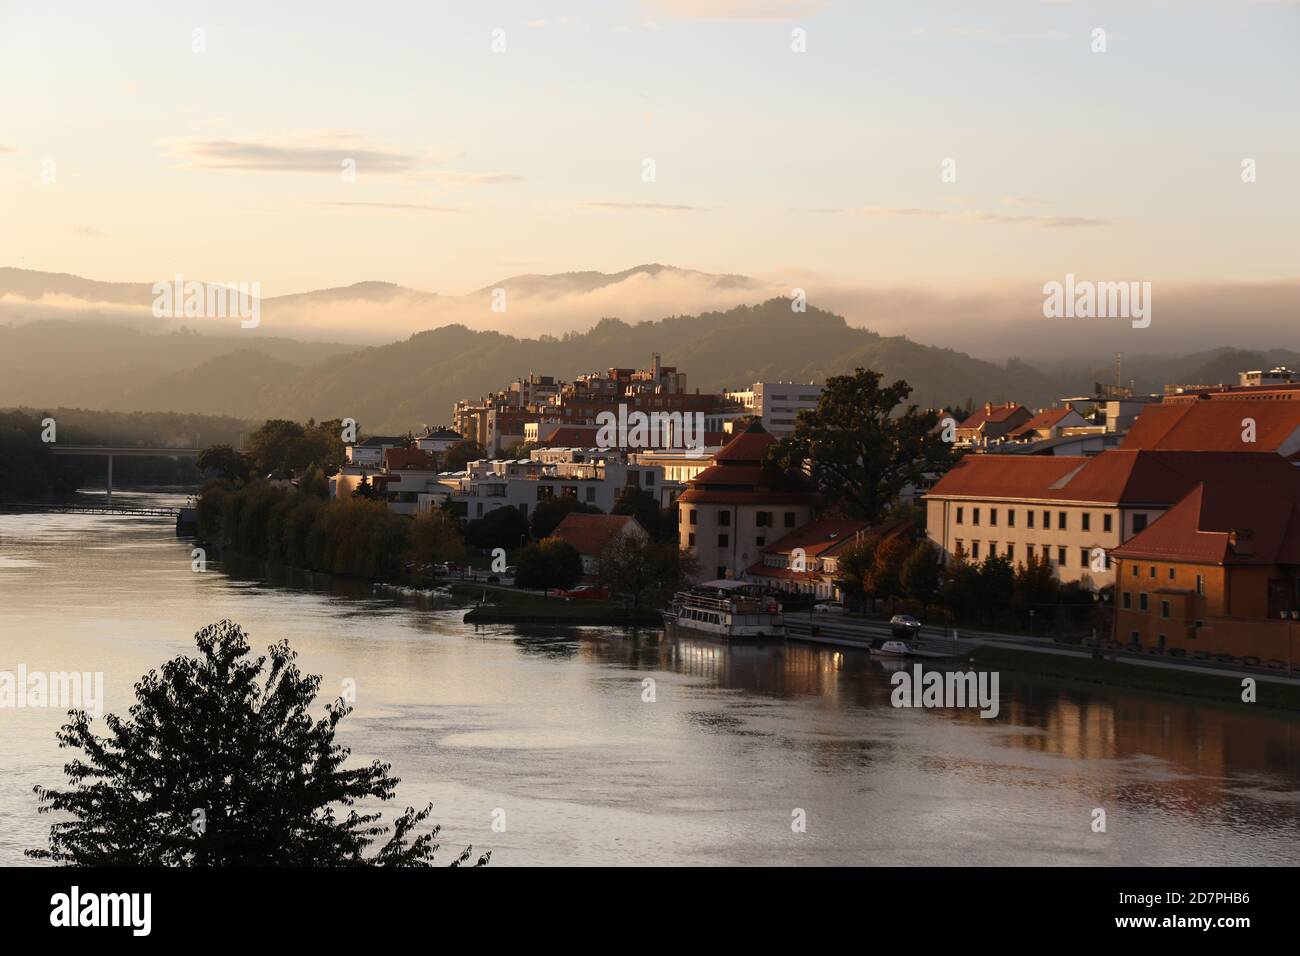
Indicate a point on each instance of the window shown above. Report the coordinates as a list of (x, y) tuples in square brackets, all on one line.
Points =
[(1030, 516), (1128, 600), (724, 519), (1105, 523), (690, 540), (1153, 570), (1060, 556), (1164, 609), (723, 541), (1083, 557), (993, 516), (1011, 517), (722, 572), (1011, 552), (1047, 520), (649, 478), (1029, 550), (789, 519), (975, 516), (763, 519), (960, 511), (1135, 570), (1086, 518), (975, 550), (1200, 584), (760, 541), (591, 494), (695, 516), (1134, 637), (1139, 523), (1171, 574), (1061, 520), (1142, 601)]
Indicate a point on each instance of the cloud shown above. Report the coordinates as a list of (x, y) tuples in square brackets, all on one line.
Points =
[(993, 218), (738, 9), (476, 179), (1022, 201), (322, 154), (648, 206), (402, 206), (91, 232)]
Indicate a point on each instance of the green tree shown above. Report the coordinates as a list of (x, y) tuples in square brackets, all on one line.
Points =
[(646, 570), (997, 582), (551, 511), (435, 538), (225, 462), (854, 564), (365, 489), (552, 563), (919, 576), (221, 764), (860, 448), (460, 454), (503, 527), (884, 580), (659, 523)]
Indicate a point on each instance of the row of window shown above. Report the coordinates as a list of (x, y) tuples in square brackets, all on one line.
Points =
[(1062, 518), (1135, 570), (724, 541), (1062, 554), (763, 519)]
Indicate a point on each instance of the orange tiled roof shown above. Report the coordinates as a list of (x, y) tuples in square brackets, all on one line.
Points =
[(590, 533), (1043, 420), (1263, 518), (1117, 476), (1214, 426)]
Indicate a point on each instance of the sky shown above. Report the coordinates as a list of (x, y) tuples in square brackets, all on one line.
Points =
[(822, 166)]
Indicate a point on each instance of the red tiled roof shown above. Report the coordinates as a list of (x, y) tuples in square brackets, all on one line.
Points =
[(1200, 528), (739, 475), (1118, 476), (572, 436), (749, 447), (994, 413), (590, 533), (399, 458), (1215, 426), (1043, 420)]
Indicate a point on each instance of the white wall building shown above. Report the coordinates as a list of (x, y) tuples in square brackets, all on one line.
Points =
[(777, 404)]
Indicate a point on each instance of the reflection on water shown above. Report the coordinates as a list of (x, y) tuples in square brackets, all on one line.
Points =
[(552, 726)]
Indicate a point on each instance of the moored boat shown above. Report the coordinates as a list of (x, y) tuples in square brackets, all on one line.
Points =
[(726, 610)]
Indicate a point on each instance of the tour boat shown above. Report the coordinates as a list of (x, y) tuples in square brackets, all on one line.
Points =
[(726, 610)]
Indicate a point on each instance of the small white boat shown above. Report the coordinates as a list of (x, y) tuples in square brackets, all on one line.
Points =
[(726, 610), (893, 649)]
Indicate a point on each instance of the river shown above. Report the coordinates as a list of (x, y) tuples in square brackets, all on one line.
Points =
[(546, 731)]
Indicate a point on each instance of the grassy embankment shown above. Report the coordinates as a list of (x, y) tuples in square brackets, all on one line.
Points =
[(1118, 673), (503, 605)]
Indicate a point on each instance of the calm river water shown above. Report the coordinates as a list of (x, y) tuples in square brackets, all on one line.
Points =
[(549, 726)]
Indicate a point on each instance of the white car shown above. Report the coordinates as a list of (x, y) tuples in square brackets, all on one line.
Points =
[(828, 607)]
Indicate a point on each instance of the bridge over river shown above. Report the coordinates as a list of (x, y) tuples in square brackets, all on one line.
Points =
[(121, 451)]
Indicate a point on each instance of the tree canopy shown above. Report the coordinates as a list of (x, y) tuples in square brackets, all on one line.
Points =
[(220, 763), (860, 447)]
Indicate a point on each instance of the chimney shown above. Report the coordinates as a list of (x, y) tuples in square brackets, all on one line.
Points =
[(1241, 540)]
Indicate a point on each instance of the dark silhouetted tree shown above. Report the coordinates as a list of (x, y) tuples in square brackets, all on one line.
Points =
[(221, 764)]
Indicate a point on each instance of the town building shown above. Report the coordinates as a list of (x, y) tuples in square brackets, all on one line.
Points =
[(1222, 424), (370, 452), (991, 424), (805, 561), (1072, 510), (1218, 575), (731, 510), (590, 534), (776, 404)]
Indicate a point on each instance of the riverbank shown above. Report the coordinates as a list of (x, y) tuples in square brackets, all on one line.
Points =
[(1109, 672), (502, 605)]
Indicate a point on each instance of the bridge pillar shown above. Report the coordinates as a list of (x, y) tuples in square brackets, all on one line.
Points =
[(110, 481)]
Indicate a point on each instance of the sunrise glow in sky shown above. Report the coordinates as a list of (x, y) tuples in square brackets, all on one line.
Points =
[(472, 164)]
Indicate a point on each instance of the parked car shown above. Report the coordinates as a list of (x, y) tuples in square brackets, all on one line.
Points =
[(584, 592), (904, 626), (828, 607)]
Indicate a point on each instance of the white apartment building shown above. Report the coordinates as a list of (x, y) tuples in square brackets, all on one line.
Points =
[(777, 404), (592, 476)]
